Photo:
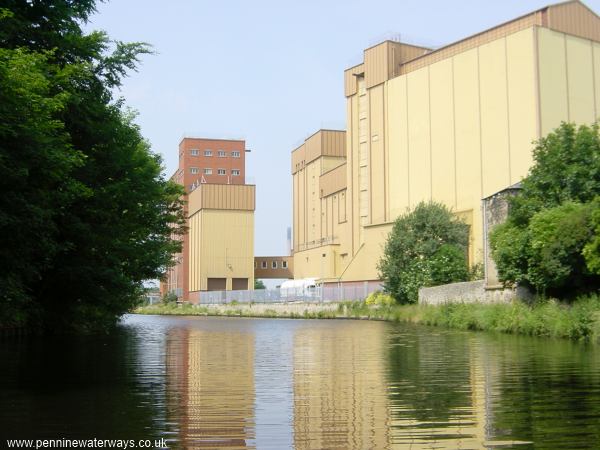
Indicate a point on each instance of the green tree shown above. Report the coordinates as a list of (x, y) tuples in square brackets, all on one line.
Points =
[(426, 247), (591, 251), (86, 214), (258, 284), (549, 241)]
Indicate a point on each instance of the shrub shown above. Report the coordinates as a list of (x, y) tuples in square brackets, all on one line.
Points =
[(380, 298), (557, 238), (550, 240), (169, 298), (426, 247)]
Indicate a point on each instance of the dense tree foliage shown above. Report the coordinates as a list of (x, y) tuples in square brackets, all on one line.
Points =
[(426, 247), (85, 213), (259, 284), (550, 240)]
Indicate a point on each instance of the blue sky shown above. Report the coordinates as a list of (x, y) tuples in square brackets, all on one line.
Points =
[(269, 72)]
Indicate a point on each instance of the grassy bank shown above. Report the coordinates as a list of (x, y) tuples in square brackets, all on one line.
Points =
[(579, 320)]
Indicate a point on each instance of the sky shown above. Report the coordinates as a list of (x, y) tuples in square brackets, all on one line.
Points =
[(270, 72)]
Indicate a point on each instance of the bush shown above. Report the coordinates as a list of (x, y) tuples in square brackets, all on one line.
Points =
[(550, 241), (591, 251), (170, 298), (379, 298), (557, 237), (426, 247)]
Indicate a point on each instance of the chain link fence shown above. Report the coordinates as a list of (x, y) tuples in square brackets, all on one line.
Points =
[(328, 293)]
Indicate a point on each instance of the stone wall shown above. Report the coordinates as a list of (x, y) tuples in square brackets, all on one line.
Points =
[(495, 212), (469, 292)]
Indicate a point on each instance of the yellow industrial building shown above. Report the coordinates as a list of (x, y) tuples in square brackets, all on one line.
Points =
[(454, 125), (221, 238)]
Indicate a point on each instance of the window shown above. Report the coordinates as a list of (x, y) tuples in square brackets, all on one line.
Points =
[(235, 154), (221, 171), (222, 154), (194, 152), (284, 264), (208, 171), (263, 264), (235, 172), (194, 169), (207, 152), (273, 264)]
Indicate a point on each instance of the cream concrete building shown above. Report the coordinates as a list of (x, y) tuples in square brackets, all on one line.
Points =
[(453, 125)]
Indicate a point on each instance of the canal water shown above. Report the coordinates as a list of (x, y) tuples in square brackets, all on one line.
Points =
[(203, 382)]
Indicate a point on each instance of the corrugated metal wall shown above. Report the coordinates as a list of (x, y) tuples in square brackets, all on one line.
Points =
[(222, 196), (576, 19), (321, 143), (350, 85), (333, 181), (474, 41)]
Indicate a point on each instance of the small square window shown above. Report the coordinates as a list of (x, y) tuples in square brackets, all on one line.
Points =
[(221, 171), (284, 264), (207, 171), (235, 172), (194, 169), (194, 152), (207, 152), (274, 264), (263, 264), (222, 154), (235, 154)]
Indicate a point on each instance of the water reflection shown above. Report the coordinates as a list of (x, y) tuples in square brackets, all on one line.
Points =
[(210, 381), (340, 398), (253, 383)]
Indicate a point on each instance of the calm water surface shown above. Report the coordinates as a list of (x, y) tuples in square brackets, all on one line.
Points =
[(266, 383)]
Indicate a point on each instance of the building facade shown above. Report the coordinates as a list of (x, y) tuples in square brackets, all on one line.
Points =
[(218, 249), (453, 125)]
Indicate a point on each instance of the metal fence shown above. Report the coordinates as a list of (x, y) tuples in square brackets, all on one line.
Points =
[(328, 293)]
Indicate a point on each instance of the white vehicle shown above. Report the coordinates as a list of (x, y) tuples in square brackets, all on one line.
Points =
[(300, 289)]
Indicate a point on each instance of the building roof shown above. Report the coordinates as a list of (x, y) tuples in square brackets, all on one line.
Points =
[(571, 17)]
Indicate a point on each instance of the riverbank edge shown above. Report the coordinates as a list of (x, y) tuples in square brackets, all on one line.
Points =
[(579, 320)]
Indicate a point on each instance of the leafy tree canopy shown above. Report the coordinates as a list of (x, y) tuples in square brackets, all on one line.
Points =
[(426, 247), (86, 214)]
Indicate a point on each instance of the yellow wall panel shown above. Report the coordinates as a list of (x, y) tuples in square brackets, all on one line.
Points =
[(468, 145), (442, 136), (581, 79), (377, 175), (554, 103), (596, 57), (397, 132), (419, 149), (495, 164), (221, 245), (312, 264), (522, 101), (353, 173), (364, 264)]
